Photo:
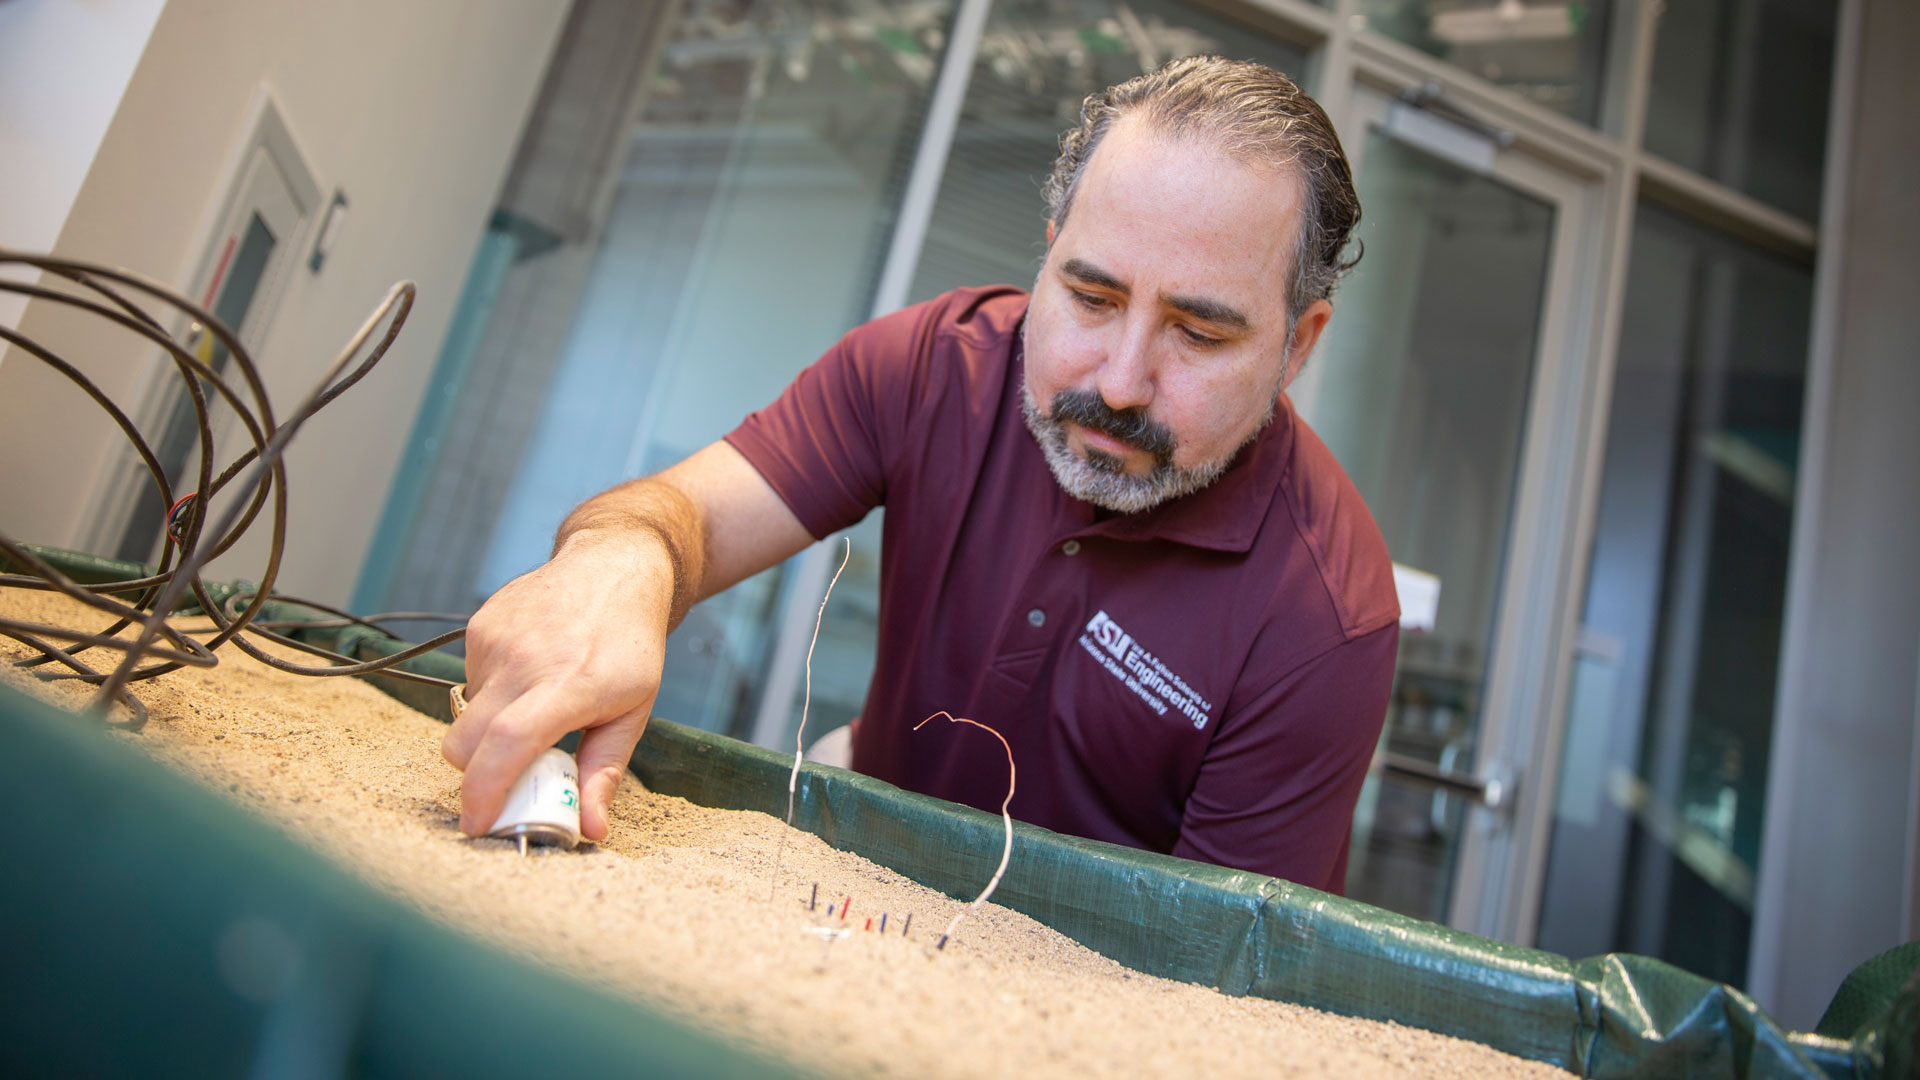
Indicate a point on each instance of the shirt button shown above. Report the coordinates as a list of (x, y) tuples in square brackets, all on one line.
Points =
[(1036, 617), (1071, 547)]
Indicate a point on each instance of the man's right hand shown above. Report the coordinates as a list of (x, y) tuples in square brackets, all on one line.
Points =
[(574, 645), (578, 644)]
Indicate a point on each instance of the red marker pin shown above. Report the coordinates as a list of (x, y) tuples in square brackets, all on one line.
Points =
[(844, 905)]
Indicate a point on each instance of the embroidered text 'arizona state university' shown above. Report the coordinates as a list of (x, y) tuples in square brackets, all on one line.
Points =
[(1141, 671)]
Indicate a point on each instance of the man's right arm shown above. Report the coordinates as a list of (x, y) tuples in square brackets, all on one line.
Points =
[(578, 643)]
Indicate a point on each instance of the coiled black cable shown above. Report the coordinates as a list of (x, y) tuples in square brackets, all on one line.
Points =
[(257, 475)]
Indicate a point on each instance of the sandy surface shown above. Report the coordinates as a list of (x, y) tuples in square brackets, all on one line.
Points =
[(674, 909)]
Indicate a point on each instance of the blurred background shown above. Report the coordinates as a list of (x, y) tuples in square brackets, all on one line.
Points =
[(1627, 369)]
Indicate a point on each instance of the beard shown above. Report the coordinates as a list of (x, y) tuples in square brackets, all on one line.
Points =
[(1101, 478)]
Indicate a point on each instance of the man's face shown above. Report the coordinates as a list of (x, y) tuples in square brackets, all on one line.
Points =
[(1157, 340)]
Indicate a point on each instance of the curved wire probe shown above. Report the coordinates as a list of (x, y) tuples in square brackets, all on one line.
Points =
[(257, 478), (1006, 853)]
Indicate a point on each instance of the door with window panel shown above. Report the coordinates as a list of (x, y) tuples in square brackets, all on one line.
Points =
[(1657, 819), (1450, 386), (249, 258)]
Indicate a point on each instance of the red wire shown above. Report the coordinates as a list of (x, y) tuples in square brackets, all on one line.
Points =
[(173, 514)]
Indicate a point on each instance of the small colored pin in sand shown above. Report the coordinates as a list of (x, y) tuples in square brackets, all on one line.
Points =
[(883, 922), (844, 906), (829, 911), (814, 901), (943, 942), (905, 929)]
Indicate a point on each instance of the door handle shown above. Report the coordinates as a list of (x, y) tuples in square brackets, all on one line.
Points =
[(1492, 792)]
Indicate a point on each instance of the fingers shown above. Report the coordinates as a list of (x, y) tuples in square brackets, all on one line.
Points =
[(557, 650), (603, 757), (512, 737), (463, 735)]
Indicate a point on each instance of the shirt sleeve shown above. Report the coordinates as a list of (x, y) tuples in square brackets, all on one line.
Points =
[(826, 444), (1276, 791)]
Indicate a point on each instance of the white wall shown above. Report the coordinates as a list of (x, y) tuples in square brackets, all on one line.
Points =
[(63, 69), (413, 110), (1836, 871)]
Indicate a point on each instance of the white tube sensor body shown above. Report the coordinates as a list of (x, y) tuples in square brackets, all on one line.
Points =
[(543, 806)]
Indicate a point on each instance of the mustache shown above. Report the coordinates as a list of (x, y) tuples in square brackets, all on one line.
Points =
[(1131, 426)]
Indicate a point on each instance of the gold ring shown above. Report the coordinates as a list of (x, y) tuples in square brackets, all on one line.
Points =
[(457, 695)]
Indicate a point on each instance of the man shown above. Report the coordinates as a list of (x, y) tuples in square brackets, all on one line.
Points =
[(1108, 536)]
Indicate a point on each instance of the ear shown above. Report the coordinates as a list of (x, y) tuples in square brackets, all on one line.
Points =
[(1306, 335), (1050, 232)]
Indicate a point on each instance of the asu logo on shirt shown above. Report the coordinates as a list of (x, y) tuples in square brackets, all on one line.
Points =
[(1108, 634), (1141, 671)]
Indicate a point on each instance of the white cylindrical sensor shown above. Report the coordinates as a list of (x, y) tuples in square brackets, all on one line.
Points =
[(544, 805)]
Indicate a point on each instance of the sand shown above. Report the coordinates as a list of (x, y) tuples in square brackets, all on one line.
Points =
[(673, 910)]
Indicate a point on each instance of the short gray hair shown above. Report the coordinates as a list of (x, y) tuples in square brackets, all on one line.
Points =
[(1253, 113)]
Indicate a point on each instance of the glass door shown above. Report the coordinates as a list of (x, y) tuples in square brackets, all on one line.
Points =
[(1450, 388), (745, 195), (1656, 832)]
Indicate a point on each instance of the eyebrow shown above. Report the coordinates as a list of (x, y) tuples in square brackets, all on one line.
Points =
[(1210, 311)]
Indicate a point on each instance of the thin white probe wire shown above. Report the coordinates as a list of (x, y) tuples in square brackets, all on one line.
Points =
[(806, 699)]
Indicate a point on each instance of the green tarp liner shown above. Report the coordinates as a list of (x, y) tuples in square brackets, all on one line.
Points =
[(1607, 1016), (1616, 1015), (1871, 990), (153, 930)]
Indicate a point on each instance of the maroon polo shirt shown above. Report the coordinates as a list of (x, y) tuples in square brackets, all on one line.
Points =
[(1207, 678)]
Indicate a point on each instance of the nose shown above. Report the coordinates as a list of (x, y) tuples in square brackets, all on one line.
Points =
[(1125, 378)]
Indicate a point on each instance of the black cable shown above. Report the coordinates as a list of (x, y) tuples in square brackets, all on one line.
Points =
[(191, 539), (345, 619)]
